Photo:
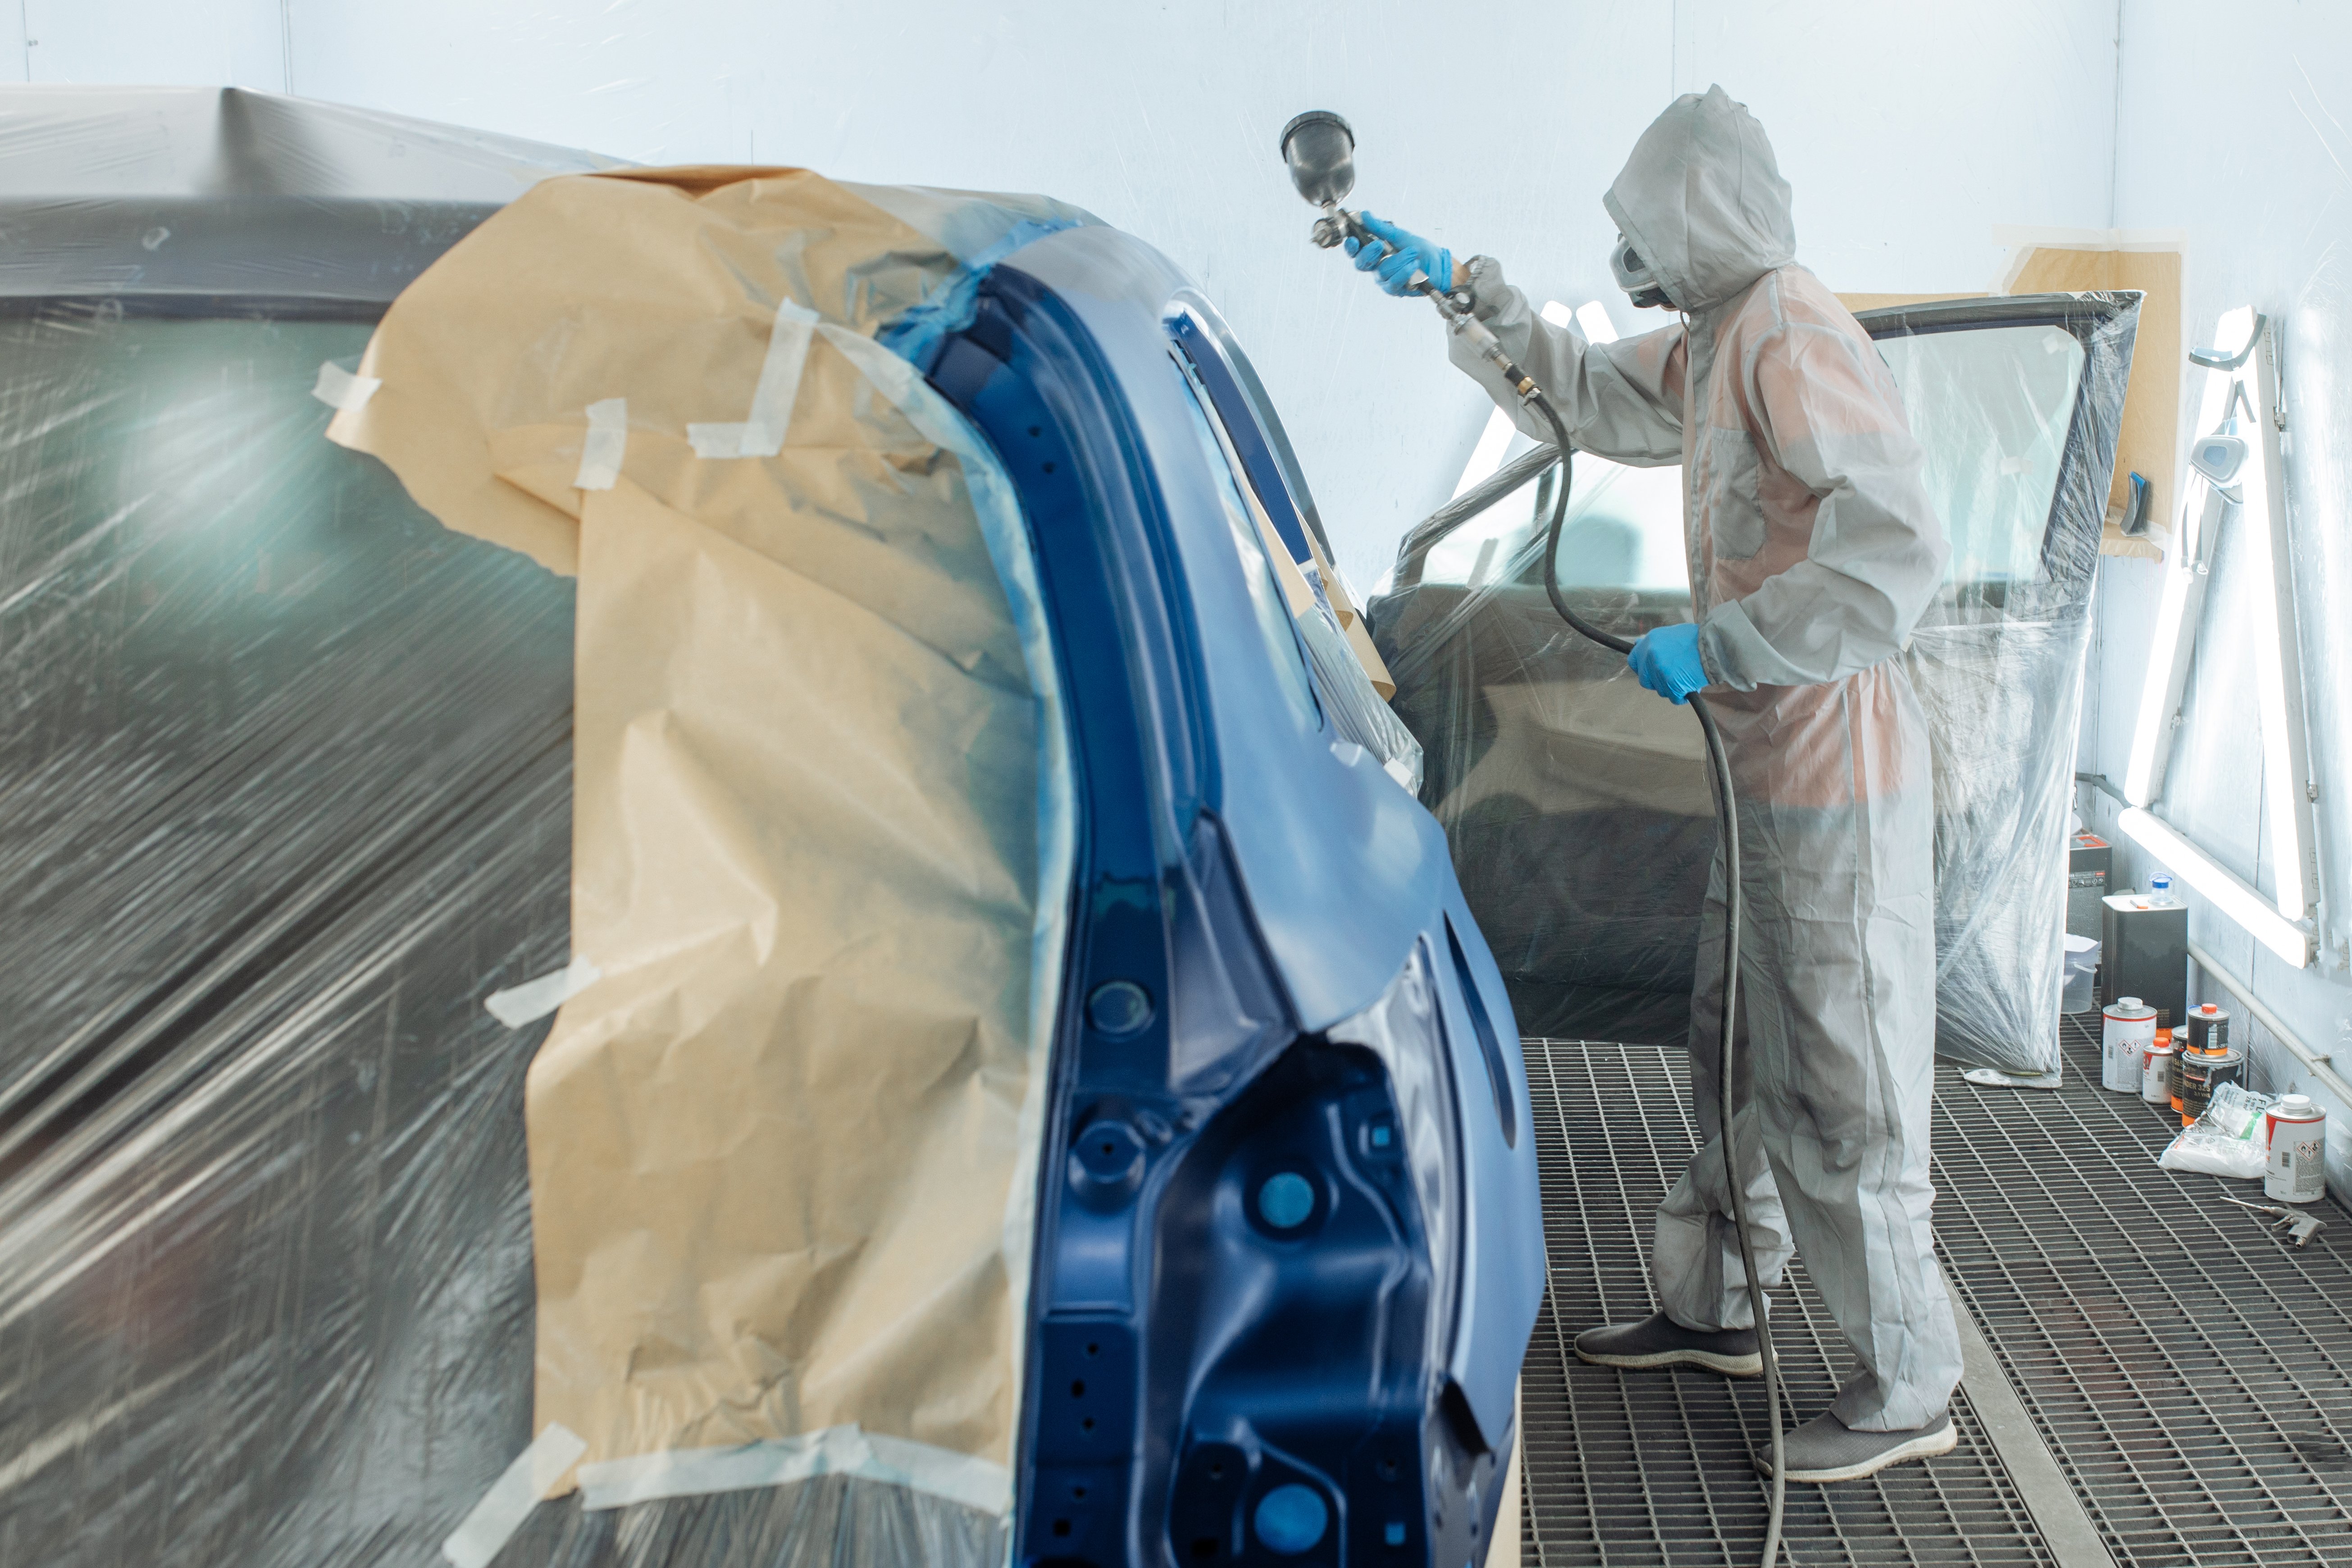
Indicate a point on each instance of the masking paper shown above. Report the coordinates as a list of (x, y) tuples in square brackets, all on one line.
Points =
[(782, 1152)]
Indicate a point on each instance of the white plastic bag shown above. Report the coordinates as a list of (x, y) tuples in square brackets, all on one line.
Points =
[(2227, 1140), (2237, 1113), (2080, 961)]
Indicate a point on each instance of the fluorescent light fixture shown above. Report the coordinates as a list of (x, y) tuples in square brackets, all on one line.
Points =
[(2161, 675), (2153, 727), (1494, 441), (2283, 778), (2227, 894)]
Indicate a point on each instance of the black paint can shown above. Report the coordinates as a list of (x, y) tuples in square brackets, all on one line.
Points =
[(2203, 1071)]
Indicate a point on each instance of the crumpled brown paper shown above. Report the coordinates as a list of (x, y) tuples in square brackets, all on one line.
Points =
[(782, 1153)]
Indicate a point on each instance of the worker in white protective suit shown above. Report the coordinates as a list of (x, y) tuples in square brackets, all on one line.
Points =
[(1813, 550)]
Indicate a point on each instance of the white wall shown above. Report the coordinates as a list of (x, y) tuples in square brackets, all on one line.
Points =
[(1906, 131), (2234, 126), (1496, 128)]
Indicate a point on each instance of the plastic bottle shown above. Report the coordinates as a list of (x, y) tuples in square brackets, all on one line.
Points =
[(2160, 892)]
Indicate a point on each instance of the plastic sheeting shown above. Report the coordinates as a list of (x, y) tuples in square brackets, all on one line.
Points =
[(186, 191), (1577, 803), (783, 1151), (290, 772)]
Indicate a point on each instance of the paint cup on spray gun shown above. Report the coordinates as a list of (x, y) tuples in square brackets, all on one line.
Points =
[(2298, 1171), (2128, 1029)]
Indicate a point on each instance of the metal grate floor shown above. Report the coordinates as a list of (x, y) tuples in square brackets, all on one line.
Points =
[(2192, 1375), (2171, 1351), (1652, 1467)]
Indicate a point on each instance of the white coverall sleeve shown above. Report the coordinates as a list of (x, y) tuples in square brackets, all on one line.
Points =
[(1621, 400), (1835, 420)]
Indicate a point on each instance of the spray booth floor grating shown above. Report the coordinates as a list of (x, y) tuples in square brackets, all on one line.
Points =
[(2191, 1376)]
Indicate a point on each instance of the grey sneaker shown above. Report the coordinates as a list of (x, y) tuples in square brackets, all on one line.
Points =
[(1826, 1449), (1659, 1340)]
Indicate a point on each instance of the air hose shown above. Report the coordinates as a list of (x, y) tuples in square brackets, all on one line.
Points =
[(1459, 319)]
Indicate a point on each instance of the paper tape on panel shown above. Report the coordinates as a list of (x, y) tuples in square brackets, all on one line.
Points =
[(340, 389), (763, 435), (518, 1005), (975, 1483), (512, 1496), (607, 441)]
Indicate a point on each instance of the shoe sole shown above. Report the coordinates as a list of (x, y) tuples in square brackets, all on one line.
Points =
[(1921, 1447), (1728, 1365)]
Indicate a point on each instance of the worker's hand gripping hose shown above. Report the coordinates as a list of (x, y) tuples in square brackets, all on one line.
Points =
[(1462, 323)]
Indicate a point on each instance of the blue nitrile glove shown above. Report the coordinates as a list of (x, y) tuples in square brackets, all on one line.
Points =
[(1397, 256), (1667, 660)]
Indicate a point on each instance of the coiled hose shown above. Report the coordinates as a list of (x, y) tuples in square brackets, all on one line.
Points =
[(1728, 820), (1460, 320)]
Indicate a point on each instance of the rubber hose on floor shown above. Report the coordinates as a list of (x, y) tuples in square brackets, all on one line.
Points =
[(1727, 821)]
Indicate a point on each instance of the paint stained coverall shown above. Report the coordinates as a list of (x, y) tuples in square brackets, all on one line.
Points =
[(1813, 549)]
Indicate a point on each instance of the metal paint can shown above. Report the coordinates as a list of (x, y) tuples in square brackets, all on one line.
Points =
[(2201, 1072), (2209, 1026), (2297, 1172), (2129, 1028), (2156, 1069)]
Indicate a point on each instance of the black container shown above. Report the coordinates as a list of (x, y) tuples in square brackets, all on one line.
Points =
[(2089, 863), (2143, 953), (2203, 1071)]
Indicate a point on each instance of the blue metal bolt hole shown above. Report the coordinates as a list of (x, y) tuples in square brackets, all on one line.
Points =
[(1292, 1519), (1286, 1200)]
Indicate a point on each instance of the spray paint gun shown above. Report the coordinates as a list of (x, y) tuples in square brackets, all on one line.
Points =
[(1321, 149)]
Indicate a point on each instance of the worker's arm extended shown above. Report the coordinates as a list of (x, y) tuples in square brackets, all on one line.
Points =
[(1823, 408), (1621, 400)]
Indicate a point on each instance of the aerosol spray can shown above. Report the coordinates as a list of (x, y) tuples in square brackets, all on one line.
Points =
[(2156, 1070), (2297, 1172), (2129, 1030)]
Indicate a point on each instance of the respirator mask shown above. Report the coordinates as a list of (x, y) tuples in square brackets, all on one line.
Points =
[(1635, 276)]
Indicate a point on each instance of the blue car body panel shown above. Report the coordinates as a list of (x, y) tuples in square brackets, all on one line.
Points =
[(1261, 1301)]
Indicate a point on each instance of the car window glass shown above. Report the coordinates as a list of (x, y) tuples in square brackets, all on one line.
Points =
[(1205, 330), (1267, 599), (1992, 408), (1623, 531)]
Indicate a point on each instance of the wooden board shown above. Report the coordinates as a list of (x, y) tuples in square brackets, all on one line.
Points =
[(2149, 444)]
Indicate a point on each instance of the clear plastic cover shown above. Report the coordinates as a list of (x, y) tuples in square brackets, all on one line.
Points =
[(289, 774), (1577, 803)]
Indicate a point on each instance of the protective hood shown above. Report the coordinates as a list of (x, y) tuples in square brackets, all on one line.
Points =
[(1703, 200)]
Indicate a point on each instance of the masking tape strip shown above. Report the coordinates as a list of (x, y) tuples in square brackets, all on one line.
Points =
[(974, 1483), (1007, 538), (763, 435), (607, 441), (518, 1005), (512, 1496), (340, 389)]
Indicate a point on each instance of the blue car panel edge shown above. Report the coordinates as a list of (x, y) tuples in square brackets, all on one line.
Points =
[(1233, 1355)]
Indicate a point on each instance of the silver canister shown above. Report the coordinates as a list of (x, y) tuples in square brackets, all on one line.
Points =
[(2156, 1081), (2298, 1171), (2128, 1029)]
